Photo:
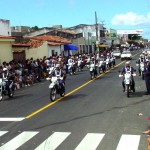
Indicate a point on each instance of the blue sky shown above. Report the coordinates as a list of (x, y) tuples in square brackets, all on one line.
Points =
[(117, 14)]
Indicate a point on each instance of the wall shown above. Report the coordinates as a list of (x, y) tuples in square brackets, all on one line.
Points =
[(5, 28), (5, 51), (56, 50), (37, 53)]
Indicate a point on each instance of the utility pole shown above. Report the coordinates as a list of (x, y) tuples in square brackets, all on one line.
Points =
[(96, 26)]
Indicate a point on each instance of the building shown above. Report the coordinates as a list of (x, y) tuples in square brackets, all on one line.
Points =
[(89, 39), (6, 48), (5, 28), (39, 46)]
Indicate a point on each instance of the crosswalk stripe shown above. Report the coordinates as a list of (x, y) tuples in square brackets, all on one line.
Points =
[(129, 142), (2, 133), (53, 141), (90, 141), (18, 141)]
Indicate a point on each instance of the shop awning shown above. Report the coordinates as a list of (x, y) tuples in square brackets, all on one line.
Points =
[(70, 47), (103, 45)]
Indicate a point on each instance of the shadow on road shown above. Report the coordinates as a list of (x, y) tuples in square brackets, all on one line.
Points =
[(70, 97), (137, 94)]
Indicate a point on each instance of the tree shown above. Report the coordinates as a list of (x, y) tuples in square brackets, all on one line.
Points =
[(35, 28)]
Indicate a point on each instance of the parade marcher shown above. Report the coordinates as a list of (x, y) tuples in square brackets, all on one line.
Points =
[(147, 78)]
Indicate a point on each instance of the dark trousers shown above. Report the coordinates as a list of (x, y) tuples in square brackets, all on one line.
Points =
[(147, 82)]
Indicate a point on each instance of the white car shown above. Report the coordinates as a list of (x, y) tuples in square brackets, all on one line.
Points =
[(116, 54), (126, 55)]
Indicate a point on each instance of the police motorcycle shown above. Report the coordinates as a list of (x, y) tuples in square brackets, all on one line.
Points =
[(55, 86), (7, 86), (72, 67), (101, 65), (128, 82), (88, 62), (80, 65), (113, 61), (93, 70), (108, 63)]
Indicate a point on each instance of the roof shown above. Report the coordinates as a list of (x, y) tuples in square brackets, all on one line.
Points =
[(51, 38), (54, 44), (37, 41), (6, 37), (20, 45), (68, 31), (31, 44)]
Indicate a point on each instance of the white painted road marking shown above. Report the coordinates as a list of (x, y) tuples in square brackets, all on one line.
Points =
[(53, 141), (2, 133), (12, 119), (129, 142), (18, 141), (90, 141)]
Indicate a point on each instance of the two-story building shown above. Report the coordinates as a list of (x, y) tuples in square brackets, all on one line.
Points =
[(6, 48)]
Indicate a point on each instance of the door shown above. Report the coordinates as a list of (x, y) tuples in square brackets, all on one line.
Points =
[(19, 56)]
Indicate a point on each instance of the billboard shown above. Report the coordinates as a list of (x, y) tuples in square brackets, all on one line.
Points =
[(136, 31)]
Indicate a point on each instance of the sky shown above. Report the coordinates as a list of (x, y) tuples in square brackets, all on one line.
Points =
[(115, 14)]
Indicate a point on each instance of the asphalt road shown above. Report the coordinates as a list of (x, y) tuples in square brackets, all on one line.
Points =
[(94, 115)]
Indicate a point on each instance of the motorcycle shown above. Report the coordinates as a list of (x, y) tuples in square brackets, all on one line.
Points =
[(101, 66), (107, 63), (113, 62), (7, 87), (55, 87), (93, 71), (72, 68), (79, 65), (88, 62), (128, 82)]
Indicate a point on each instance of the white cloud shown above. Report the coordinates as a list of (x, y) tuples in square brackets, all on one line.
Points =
[(131, 18)]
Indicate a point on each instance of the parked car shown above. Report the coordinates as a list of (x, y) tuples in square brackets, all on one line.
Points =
[(126, 55), (116, 54)]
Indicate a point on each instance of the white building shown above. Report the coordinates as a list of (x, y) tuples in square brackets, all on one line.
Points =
[(5, 28), (89, 36)]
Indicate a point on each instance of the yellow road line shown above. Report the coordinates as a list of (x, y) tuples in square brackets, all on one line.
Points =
[(83, 85)]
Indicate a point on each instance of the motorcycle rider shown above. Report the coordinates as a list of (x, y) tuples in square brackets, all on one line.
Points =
[(59, 72), (126, 68), (93, 62), (8, 76)]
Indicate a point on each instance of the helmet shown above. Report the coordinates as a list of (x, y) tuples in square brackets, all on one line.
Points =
[(141, 55), (127, 63), (5, 69), (57, 65)]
